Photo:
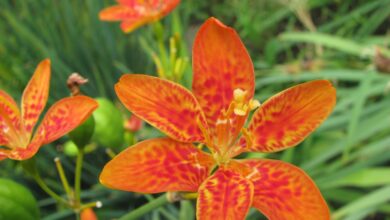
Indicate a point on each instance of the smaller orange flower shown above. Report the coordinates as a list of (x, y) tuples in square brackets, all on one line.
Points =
[(133, 124), (135, 13), (88, 214), (16, 127)]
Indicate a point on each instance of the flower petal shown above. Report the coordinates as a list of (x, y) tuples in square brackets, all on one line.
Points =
[(118, 13), (3, 154), (35, 95), (134, 14), (224, 195), (166, 105), (221, 64), (157, 165), (130, 25), (88, 214), (64, 116), (9, 119), (131, 18), (289, 117), (283, 191)]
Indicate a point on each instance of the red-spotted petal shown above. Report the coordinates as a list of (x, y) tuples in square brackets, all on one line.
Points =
[(131, 19), (283, 191), (137, 13), (9, 119), (221, 64), (158, 165), (35, 95), (289, 117), (224, 195), (166, 105), (64, 116), (118, 13)]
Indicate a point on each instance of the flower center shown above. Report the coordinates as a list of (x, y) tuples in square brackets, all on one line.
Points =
[(16, 137), (230, 123)]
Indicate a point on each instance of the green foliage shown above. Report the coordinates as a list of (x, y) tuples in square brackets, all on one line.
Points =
[(17, 202)]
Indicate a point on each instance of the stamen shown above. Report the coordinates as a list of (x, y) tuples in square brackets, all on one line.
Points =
[(241, 105), (248, 137), (205, 133), (253, 173), (239, 95), (253, 104)]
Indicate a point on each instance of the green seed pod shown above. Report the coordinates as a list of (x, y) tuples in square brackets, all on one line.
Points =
[(109, 130), (82, 135), (16, 201)]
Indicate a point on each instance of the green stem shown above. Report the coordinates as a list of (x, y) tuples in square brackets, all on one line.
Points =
[(137, 213), (77, 180), (30, 167), (63, 178), (50, 192)]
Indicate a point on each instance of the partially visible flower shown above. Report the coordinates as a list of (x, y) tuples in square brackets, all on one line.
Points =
[(214, 114), (16, 126), (88, 214), (135, 13), (133, 124)]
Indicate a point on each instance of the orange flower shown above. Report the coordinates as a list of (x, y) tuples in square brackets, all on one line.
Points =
[(88, 214), (16, 127), (214, 114), (135, 13)]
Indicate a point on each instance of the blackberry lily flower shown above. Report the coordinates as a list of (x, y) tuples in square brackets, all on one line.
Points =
[(135, 13), (214, 114), (16, 126)]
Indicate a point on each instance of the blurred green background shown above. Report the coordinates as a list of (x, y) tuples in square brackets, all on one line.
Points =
[(290, 41)]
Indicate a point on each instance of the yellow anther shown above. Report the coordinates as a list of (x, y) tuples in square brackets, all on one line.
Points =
[(241, 109), (253, 104), (239, 95)]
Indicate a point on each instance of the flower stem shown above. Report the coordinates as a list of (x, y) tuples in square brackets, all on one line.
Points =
[(63, 178), (50, 192), (77, 180), (30, 167), (137, 213)]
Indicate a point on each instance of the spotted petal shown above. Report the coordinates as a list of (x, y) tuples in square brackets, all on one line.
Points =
[(289, 117), (158, 165), (64, 116), (137, 13), (35, 95), (9, 119), (224, 195), (221, 64), (131, 19), (164, 104), (283, 191)]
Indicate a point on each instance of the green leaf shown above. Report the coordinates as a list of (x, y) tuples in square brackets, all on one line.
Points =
[(372, 200), (364, 178), (330, 41)]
